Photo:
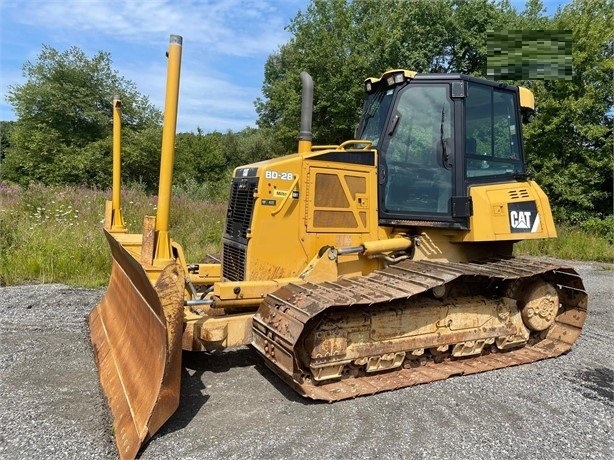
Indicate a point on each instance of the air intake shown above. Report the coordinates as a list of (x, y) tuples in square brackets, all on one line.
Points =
[(519, 194)]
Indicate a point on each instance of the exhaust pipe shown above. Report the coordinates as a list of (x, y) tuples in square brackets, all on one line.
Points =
[(305, 137), (163, 252)]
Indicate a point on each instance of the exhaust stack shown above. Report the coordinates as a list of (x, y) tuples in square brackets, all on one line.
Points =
[(305, 137), (163, 251)]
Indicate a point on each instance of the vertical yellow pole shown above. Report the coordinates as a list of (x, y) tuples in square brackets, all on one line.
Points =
[(117, 221), (163, 253)]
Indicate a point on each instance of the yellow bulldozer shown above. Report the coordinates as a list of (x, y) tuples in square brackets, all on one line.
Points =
[(377, 264)]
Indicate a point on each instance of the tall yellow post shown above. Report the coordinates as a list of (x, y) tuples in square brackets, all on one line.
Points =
[(117, 221), (113, 220), (163, 252)]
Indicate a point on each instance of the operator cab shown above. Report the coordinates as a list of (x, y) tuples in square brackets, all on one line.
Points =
[(436, 136)]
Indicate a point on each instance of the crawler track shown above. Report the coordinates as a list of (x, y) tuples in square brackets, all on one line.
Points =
[(286, 316)]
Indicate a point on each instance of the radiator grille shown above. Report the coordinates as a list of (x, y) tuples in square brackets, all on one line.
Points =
[(238, 222), (240, 209), (233, 261)]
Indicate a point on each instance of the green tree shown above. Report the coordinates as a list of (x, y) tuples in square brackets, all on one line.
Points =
[(322, 46), (141, 156), (250, 146), (6, 127), (64, 111), (200, 156), (570, 142), (340, 43)]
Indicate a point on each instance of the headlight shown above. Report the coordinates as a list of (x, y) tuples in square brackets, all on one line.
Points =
[(395, 78), (246, 172)]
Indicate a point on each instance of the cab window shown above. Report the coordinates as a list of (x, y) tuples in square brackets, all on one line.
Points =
[(492, 143)]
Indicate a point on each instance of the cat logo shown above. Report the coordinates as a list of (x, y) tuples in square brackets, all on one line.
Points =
[(524, 217), (520, 219)]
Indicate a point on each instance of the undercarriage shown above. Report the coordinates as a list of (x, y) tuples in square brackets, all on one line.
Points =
[(417, 322)]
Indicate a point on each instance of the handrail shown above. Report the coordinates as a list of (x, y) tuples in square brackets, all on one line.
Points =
[(324, 147), (368, 144), (345, 144)]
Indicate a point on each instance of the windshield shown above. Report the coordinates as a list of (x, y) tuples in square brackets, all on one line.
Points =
[(375, 114)]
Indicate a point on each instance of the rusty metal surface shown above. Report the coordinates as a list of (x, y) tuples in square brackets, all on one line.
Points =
[(279, 324), (136, 337)]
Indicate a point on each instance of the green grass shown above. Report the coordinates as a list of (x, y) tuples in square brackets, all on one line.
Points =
[(571, 243), (53, 234)]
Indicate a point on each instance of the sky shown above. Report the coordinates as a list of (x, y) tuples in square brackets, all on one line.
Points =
[(225, 46)]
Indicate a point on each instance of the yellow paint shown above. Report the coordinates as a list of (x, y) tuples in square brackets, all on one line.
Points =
[(490, 219), (306, 216), (383, 246), (527, 99), (207, 274), (245, 290), (304, 146), (215, 333), (320, 269), (163, 254), (114, 222)]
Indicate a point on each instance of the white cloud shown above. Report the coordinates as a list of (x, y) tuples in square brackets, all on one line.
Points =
[(211, 102), (226, 44), (233, 27)]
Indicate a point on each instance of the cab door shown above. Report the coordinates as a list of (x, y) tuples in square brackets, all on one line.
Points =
[(416, 173)]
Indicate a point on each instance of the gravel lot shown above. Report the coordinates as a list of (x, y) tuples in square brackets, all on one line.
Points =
[(233, 407)]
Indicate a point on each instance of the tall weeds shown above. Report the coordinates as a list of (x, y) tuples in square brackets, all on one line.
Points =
[(54, 234), (572, 243)]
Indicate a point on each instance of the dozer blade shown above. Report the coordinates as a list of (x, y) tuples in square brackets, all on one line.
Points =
[(136, 334)]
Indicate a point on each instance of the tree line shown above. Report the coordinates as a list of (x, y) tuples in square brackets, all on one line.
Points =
[(63, 132)]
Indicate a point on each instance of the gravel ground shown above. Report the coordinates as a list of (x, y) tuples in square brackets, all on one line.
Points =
[(233, 407)]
